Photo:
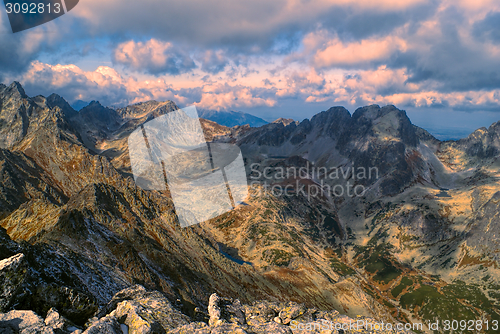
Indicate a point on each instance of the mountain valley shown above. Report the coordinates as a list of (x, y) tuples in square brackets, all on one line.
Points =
[(419, 244)]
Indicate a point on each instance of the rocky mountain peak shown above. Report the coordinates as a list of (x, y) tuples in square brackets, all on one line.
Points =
[(146, 109), (54, 100), (495, 128), (15, 89), (95, 112), (376, 114), (336, 112), (284, 121), (335, 120), (387, 124), (92, 106)]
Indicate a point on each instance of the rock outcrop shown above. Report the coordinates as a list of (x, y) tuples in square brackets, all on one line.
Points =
[(144, 312), (138, 311), (38, 279), (12, 275), (28, 322)]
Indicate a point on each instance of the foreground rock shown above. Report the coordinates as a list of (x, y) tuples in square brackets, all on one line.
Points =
[(149, 312), (138, 311), (28, 322), (106, 325), (144, 312), (38, 278), (12, 275)]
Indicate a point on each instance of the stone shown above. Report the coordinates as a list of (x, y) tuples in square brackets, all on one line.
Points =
[(271, 328), (291, 312), (12, 275), (213, 309), (75, 305), (262, 311), (57, 322), (224, 328), (145, 312), (22, 322), (192, 328), (221, 310), (106, 325)]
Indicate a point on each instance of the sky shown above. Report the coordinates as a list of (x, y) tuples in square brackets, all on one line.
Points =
[(437, 59)]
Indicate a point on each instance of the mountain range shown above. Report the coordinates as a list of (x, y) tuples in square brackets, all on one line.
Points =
[(231, 118), (418, 244), (223, 117)]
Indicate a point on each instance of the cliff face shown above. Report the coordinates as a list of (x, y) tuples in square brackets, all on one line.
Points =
[(424, 224)]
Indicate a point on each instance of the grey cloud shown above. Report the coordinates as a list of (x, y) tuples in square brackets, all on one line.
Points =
[(256, 27), (193, 94), (197, 22), (14, 56), (489, 27), (446, 62), (214, 61), (244, 26), (75, 87), (350, 24)]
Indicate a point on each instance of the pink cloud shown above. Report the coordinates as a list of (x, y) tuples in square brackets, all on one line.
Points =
[(326, 50), (110, 87), (153, 56), (219, 96)]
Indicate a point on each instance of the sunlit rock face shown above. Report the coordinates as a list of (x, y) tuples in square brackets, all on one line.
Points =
[(425, 224)]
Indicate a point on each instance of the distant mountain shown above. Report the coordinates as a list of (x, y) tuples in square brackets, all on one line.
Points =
[(285, 121), (231, 118), (420, 243), (79, 104)]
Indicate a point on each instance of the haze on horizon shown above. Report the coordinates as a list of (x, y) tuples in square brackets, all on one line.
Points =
[(438, 60)]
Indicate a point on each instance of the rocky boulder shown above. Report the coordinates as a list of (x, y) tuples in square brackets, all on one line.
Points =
[(12, 275), (22, 322), (28, 322), (106, 325), (225, 310), (144, 312), (76, 306)]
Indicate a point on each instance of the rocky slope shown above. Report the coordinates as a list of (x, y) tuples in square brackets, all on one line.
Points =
[(135, 310)]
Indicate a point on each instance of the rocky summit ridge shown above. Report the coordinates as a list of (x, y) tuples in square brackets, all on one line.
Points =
[(418, 245)]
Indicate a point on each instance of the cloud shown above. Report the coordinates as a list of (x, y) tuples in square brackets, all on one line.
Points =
[(236, 24), (214, 61), (153, 57), (111, 88), (19, 50), (300, 84), (224, 96), (382, 85), (444, 54), (267, 54), (489, 27), (329, 51)]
